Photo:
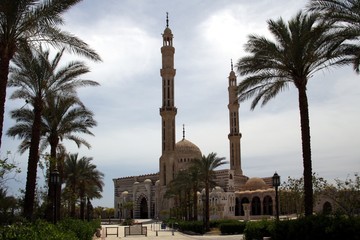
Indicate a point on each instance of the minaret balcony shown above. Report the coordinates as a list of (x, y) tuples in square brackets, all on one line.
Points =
[(234, 135), (167, 72), (168, 109)]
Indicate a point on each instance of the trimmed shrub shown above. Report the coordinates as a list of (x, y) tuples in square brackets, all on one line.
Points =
[(234, 227), (83, 230), (128, 222), (194, 227), (39, 230), (218, 222), (258, 229), (307, 228)]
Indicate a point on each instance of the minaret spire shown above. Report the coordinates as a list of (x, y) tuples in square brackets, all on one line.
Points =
[(183, 131), (167, 19), (232, 67)]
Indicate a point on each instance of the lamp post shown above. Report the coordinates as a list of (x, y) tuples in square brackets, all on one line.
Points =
[(276, 184), (55, 180)]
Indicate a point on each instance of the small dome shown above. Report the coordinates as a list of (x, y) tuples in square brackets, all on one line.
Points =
[(147, 181), (217, 189), (255, 183), (167, 31), (186, 147)]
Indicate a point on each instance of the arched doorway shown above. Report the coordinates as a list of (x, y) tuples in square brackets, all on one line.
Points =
[(143, 209), (244, 200), (267, 205), (327, 208), (237, 207), (255, 206)]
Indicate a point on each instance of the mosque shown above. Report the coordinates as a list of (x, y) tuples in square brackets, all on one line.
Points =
[(234, 190)]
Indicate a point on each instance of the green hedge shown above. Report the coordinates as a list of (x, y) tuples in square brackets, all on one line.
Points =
[(68, 229), (233, 227), (309, 228), (84, 230), (258, 229), (193, 227)]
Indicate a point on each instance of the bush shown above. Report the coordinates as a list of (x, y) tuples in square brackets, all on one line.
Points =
[(258, 229), (128, 222), (307, 228), (218, 222), (39, 230), (68, 229), (194, 227), (83, 230), (318, 227), (234, 227)]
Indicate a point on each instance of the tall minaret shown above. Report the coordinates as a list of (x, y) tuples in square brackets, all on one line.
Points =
[(234, 135), (168, 109)]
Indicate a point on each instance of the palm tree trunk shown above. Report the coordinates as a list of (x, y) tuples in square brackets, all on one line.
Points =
[(54, 140), (33, 161), (82, 208), (4, 72), (306, 150), (195, 204), (73, 201), (207, 206), (51, 189)]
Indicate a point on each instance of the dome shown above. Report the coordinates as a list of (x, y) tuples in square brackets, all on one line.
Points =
[(185, 147), (125, 193), (217, 189), (255, 183), (147, 181), (167, 31)]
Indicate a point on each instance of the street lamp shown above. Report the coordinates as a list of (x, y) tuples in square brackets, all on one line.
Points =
[(276, 184), (55, 180)]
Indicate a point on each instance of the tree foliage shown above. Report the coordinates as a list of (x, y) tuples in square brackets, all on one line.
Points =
[(346, 195), (82, 180), (345, 14), (32, 22), (302, 46)]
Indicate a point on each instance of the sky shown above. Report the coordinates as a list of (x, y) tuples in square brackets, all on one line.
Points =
[(207, 35)]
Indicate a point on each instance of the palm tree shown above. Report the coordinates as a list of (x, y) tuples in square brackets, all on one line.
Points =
[(82, 180), (194, 177), (302, 47), (36, 77), (179, 190), (346, 16), (32, 22), (206, 166), (63, 118)]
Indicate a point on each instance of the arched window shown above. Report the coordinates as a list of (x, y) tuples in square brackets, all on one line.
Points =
[(267, 205), (237, 207), (255, 206)]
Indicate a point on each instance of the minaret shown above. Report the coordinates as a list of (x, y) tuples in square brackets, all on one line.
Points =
[(234, 135), (168, 109)]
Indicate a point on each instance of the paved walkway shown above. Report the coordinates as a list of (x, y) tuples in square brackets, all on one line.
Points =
[(154, 231)]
